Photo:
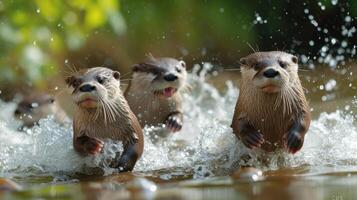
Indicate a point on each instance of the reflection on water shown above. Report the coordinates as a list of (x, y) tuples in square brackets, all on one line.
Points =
[(204, 148)]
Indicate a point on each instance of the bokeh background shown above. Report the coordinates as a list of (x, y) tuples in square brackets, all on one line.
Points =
[(42, 40)]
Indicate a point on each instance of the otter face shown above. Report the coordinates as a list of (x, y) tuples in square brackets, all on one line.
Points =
[(164, 76), (94, 87), (33, 108), (269, 71)]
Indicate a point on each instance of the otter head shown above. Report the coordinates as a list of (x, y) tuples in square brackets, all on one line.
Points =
[(271, 71), (163, 76), (33, 108), (92, 88)]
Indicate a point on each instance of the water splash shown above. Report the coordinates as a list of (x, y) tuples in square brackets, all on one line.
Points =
[(205, 146), (47, 150)]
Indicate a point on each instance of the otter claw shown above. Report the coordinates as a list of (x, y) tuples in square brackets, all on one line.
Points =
[(293, 143), (91, 145), (174, 124), (253, 140)]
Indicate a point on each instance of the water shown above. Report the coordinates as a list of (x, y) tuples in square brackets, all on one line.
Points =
[(206, 146)]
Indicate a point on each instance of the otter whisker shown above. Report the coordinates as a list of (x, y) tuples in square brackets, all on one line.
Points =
[(66, 72), (250, 46), (108, 112), (121, 80), (304, 70), (96, 114), (278, 101), (112, 111), (72, 68), (106, 109), (231, 69), (122, 76)]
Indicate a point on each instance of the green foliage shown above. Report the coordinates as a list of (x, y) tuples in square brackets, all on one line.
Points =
[(38, 35), (33, 33)]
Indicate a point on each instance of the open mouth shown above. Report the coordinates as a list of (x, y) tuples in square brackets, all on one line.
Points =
[(167, 92), (270, 88), (88, 103)]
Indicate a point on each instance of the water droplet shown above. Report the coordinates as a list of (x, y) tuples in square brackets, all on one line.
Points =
[(334, 2)]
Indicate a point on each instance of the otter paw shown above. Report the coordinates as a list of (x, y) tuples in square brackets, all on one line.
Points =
[(92, 145), (293, 142), (253, 140), (174, 123)]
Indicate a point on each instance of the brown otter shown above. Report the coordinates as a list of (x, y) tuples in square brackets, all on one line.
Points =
[(8, 185), (102, 112), (154, 93), (37, 106), (272, 111)]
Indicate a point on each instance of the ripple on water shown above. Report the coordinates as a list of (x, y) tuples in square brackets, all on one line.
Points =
[(205, 146)]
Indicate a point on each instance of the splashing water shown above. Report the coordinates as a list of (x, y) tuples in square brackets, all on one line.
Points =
[(47, 150), (205, 146)]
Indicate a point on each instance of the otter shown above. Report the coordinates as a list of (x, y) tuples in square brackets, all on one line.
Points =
[(37, 106), (103, 113), (272, 111), (8, 185), (154, 93)]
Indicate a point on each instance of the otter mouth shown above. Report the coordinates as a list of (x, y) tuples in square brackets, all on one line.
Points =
[(270, 88), (88, 103), (167, 92)]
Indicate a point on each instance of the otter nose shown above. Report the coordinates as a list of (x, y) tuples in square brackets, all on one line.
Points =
[(270, 73), (170, 77), (87, 88)]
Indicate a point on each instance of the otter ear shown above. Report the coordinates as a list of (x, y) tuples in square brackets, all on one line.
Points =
[(52, 100), (182, 63), (116, 75), (243, 61), (70, 80), (294, 59)]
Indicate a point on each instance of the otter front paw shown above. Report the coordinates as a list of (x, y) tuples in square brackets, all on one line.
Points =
[(293, 142), (174, 123), (91, 145), (253, 140)]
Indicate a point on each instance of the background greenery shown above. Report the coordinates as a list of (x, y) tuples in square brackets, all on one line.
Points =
[(42, 39)]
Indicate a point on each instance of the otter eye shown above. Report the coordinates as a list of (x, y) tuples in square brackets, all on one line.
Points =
[(178, 70), (255, 66), (183, 64), (283, 64), (156, 71), (76, 83), (101, 80)]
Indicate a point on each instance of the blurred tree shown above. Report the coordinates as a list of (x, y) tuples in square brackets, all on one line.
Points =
[(39, 36), (32, 33)]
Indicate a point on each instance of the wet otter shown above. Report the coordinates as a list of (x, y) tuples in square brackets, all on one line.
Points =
[(271, 111), (8, 185), (154, 93), (102, 112), (37, 106)]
